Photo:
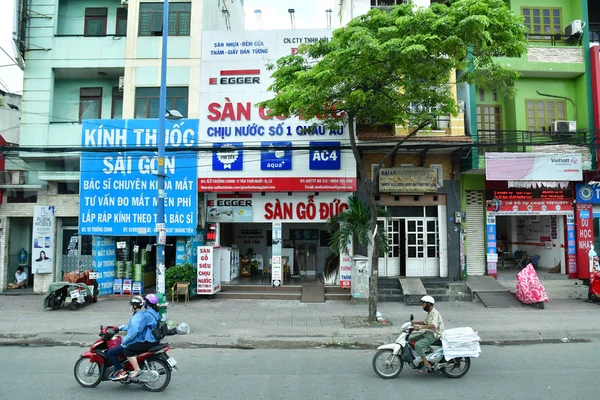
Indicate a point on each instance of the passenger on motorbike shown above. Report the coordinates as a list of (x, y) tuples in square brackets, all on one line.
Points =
[(138, 340), (434, 326)]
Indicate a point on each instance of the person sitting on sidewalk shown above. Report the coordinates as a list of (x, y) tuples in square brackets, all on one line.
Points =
[(138, 340), (20, 279), (434, 326)]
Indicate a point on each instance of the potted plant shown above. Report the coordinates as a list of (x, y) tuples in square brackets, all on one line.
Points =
[(254, 264)]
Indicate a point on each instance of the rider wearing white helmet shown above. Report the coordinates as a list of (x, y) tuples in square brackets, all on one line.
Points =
[(433, 326)]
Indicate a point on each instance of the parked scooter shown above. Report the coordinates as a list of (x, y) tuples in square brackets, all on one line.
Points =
[(74, 295), (529, 288), (594, 291), (94, 366), (389, 360)]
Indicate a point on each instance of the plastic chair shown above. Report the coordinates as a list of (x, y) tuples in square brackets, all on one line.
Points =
[(180, 289), (520, 259)]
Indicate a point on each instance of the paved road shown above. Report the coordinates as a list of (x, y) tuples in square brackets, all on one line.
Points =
[(546, 371)]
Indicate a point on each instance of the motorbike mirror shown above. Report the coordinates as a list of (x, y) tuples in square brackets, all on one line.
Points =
[(411, 317)]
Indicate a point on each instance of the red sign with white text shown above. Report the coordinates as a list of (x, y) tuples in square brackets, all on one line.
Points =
[(291, 184), (534, 206), (584, 224)]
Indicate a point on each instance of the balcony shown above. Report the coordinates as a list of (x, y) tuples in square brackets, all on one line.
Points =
[(78, 51), (581, 142)]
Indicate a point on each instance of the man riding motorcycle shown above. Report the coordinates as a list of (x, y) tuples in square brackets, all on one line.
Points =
[(139, 336), (434, 326)]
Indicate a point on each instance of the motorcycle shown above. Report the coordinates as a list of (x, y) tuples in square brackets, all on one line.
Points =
[(94, 366), (594, 290), (74, 294), (389, 360), (529, 288)]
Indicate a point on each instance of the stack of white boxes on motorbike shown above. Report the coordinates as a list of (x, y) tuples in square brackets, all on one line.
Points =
[(460, 342)]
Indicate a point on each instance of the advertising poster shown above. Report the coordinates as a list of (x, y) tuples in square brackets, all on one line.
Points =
[(119, 183), (252, 150), (585, 239), (533, 167), (42, 253), (492, 251), (209, 270), (346, 266), (104, 258), (276, 263)]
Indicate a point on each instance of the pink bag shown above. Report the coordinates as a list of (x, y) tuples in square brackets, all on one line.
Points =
[(529, 288)]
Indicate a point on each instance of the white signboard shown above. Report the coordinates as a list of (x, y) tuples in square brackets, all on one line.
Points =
[(208, 270), (43, 240), (254, 207), (234, 79), (533, 167)]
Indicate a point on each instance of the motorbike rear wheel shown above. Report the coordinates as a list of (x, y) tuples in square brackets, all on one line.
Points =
[(56, 301), (87, 374), (164, 374), (387, 365), (457, 367)]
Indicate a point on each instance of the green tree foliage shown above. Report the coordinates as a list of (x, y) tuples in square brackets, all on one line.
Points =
[(395, 67)]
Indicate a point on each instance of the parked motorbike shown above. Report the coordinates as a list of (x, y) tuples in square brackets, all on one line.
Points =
[(73, 294), (594, 291), (389, 360), (94, 366), (529, 288)]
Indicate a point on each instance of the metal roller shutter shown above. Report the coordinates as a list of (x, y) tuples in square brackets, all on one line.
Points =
[(475, 225)]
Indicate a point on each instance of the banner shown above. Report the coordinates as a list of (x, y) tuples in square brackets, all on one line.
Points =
[(42, 245), (533, 167), (585, 239), (408, 180), (248, 143), (346, 266), (104, 258), (254, 207), (529, 207), (276, 261), (119, 189)]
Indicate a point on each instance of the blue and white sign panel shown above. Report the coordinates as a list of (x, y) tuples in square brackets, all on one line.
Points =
[(104, 258), (276, 156), (587, 194), (119, 189), (322, 158), (228, 156)]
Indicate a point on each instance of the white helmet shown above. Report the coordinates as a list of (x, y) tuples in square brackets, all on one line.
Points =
[(428, 299)]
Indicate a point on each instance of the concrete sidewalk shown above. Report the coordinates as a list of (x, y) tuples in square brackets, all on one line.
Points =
[(276, 323)]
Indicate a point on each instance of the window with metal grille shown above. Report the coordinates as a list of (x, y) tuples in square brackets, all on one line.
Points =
[(121, 28), (95, 21), (489, 125), (541, 114), (151, 16), (147, 101), (117, 104), (90, 103), (542, 21)]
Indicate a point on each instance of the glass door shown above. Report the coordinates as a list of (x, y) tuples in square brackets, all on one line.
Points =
[(422, 247)]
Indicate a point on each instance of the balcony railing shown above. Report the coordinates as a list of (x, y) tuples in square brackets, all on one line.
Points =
[(555, 39), (508, 140)]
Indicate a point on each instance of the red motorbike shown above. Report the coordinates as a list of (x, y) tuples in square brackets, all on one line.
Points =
[(94, 366), (594, 291)]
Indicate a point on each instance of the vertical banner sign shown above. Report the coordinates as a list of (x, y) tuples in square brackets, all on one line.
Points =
[(42, 252), (104, 259), (571, 247), (205, 269), (492, 255), (346, 266), (276, 272), (585, 238)]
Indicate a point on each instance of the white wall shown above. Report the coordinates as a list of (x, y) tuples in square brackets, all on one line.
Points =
[(10, 119)]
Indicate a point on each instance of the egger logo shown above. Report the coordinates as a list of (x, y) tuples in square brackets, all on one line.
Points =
[(237, 77)]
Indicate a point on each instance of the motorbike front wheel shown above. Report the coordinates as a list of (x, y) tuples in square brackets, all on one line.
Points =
[(386, 364), (87, 374), (56, 301), (457, 367), (164, 374)]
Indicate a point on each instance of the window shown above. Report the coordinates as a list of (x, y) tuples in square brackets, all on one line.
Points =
[(95, 22), (542, 20), (121, 28), (67, 187), (20, 196), (117, 104), (90, 103), (489, 125), (385, 3), (541, 114), (481, 94), (147, 99), (151, 16)]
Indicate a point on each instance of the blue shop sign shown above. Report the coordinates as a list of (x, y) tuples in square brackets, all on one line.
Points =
[(322, 158), (276, 156), (119, 188), (228, 156), (587, 194)]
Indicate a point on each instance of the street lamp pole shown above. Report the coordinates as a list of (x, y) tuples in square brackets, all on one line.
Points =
[(160, 218)]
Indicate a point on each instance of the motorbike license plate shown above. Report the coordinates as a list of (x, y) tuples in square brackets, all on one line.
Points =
[(74, 294), (171, 361), (94, 275)]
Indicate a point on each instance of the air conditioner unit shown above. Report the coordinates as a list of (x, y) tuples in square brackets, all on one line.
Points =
[(564, 126), (121, 83), (124, 3), (574, 28)]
